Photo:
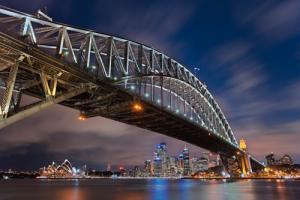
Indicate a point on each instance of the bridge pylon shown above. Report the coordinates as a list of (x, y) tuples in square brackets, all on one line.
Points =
[(238, 164)]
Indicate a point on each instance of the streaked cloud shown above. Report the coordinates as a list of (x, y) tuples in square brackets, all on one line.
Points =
[(274, 20)]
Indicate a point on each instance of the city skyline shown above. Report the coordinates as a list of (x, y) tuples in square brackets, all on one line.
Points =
[(255, 112)]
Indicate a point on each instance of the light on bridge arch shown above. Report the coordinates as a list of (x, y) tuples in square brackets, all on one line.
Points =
[(137, 107), (81, 117), (132, 87), (65, 53)]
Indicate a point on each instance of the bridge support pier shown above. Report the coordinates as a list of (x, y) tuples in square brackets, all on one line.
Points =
[(238, 165)]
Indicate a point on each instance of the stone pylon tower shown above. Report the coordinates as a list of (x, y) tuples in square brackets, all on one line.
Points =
[(244, 158)]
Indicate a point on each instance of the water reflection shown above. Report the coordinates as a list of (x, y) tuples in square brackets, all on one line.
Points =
[(73, 192), (281, 189), (156, 189), (159, 189), (185, 186)]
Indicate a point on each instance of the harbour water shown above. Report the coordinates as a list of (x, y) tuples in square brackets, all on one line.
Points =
[(152, 189)]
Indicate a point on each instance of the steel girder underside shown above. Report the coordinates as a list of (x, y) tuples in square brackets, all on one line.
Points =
[(102, 75)]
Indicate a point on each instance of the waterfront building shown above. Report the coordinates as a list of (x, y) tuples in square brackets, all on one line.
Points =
[(64, 170), (136, 172), (212, 159), (180, 164), (198, 164), (173, 162), (123, 171), (148, 168), (186, 161), (284, 160), (270, 159), (157, 166), (160, 161)]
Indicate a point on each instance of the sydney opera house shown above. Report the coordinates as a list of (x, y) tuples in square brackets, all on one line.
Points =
[(64, 170)]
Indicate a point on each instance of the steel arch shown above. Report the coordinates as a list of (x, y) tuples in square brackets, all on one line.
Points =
[(124, 63)]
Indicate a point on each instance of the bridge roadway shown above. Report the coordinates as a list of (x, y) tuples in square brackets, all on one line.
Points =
[(53, 78)]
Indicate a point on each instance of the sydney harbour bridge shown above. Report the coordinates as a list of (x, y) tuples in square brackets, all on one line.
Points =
[(112, 77)]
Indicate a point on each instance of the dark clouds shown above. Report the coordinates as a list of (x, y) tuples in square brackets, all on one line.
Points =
[(248, 54)]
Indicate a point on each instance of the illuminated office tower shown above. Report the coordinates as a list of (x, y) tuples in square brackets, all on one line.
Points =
[(180, 164), (160, 160), (186, 162), (173, 162), (148, 168)]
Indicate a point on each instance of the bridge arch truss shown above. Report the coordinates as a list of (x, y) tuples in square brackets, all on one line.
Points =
[(142, 71)]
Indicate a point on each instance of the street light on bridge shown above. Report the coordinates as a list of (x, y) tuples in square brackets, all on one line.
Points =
[(137, 107), (81, 117)]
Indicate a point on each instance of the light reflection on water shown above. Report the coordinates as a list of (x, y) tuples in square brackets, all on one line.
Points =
[(155, 189), (159, 189)]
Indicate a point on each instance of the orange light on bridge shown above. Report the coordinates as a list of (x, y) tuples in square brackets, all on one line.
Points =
[(137, 107), (81, 118)]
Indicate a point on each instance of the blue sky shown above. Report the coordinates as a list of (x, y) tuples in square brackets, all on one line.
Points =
[(248, 53)]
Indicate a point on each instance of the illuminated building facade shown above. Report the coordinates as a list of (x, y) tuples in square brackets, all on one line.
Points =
[(186, 161), (148, 171), (64, 170), (284, 160)]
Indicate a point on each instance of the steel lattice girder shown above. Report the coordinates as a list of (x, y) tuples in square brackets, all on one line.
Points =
[(107, 57)]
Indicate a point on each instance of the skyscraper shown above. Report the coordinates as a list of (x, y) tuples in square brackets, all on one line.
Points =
[(148, 168), (160, 160), (157, 166), (186, 161), (180, 164), (173, 170)]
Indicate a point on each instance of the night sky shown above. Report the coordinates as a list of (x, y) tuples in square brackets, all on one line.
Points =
[(248, 53)]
